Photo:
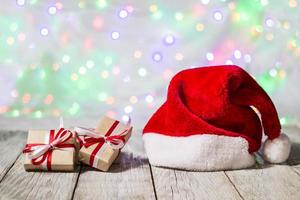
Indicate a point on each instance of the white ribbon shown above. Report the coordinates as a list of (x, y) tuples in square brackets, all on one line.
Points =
[(81, 131), (43, 148)]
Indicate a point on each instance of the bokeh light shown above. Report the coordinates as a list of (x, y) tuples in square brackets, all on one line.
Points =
[(169, 39), (87, 58), (142, 72), (20, 2), (52, 10), (44, 31), (157, 56), (123, 13), (115, 35), (149, 98), (210, 56), (199, 27), (218, 16)]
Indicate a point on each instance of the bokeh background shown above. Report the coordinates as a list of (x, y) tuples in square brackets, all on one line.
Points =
[(85, 58)]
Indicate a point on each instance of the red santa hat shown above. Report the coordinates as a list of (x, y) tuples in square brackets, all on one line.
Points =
[(213, 119)]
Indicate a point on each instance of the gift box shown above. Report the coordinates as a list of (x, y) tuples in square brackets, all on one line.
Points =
[(100, 149), (78, 144), (53, 150)]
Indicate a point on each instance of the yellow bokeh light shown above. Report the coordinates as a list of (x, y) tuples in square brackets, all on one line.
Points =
[(104, 74), (74, 77), (10, 40), (137, 54), (199, 27), (255, 32), (270, 36), (297, 52), (133, 99), (179, 56), (110, 100), (281, 73), (236, 17), (153, 8), (293, 3), (81, 4), (56, 113), (286, 25)]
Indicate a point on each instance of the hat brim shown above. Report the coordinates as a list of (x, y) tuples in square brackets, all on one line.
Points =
[(202, 152)]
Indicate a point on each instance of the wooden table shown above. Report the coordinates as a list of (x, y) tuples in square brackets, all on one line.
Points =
[(131, 177)]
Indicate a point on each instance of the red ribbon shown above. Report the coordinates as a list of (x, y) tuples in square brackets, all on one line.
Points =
[(100, 141), (88, 141), (80, 141), (48, 154)]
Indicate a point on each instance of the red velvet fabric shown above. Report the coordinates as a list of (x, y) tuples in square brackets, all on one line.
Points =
[(216, 100)]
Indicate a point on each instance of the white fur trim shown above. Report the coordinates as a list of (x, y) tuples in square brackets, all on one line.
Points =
[(277, 150), (198, 152)]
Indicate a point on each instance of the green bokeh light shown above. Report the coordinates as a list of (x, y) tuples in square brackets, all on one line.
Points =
[(270, 82), (283, 121), (157, 15), (38, 114), (108, 60), (32, 2), (15, 113), (74, 109), (179, 16), (14, 27), (102, 3), (250, 12), (102, 96)]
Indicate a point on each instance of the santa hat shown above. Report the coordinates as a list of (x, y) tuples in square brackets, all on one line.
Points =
[(213, 119)]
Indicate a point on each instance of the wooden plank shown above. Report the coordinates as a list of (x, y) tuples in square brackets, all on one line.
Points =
[(11, 144), (271, 182), (266, 181), (297, 169), (19, 184), (176, 184), (294, 134), (294, 159), (128, 178), (122, 181)]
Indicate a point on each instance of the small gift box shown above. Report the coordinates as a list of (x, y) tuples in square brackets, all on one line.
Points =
[(52, 150), (102, 145), (78, 144)]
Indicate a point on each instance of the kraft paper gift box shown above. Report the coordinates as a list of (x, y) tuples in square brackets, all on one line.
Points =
[(78, 144), (59, 158), (101, 155)]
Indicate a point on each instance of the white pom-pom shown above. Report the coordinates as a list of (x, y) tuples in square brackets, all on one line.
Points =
[(277, 150)]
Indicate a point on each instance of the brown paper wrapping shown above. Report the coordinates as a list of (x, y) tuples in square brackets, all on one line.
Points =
[(78, 146), (61, 160), (108, 154)]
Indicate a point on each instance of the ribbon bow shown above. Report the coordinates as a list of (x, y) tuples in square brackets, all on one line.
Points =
[(92, 137), (39, 152)]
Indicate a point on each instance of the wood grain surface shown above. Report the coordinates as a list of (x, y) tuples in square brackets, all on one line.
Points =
[(132, 177)]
